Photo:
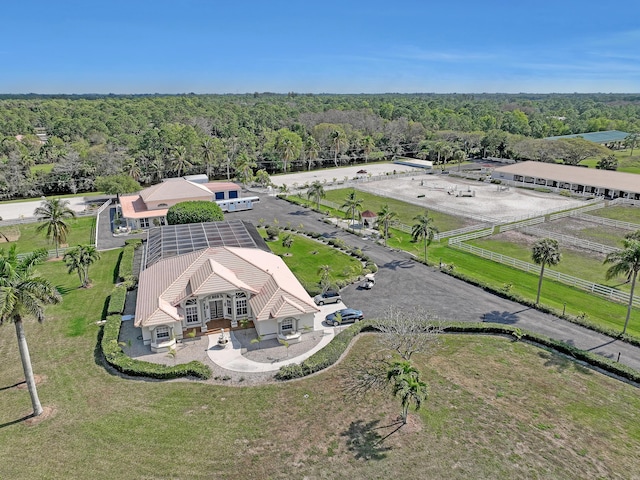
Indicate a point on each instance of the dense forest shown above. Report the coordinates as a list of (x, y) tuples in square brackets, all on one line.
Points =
[(247, 137)]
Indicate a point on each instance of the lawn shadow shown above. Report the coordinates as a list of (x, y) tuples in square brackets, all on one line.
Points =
[(365, 442), (63, 290), (500, 317), (562, 362)]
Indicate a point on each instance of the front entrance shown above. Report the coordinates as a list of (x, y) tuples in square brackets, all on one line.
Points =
[(215, 309)]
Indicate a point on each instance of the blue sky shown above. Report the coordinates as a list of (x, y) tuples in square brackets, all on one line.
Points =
[(246, 46)]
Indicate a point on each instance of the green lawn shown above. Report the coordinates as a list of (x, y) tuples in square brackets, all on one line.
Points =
[(624, 213), (405, 211), (43, 167), (68, 195), (626, 163), (306, 257), (496, 409), (79, 234)]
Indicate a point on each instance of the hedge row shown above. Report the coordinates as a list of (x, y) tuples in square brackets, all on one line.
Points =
[(325, 357), (125, 269), (115, 357), (116, 301), (543, 308), (332, 352)]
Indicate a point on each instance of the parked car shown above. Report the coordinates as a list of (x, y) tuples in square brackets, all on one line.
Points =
[(327, 297), (346, 315)]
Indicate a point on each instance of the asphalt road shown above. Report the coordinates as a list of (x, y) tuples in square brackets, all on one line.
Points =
[(405, 283)]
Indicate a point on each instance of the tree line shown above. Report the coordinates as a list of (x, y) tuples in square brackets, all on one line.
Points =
[(152, 137)]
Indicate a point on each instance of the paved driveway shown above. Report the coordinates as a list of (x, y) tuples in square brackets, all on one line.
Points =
[(405, 283)]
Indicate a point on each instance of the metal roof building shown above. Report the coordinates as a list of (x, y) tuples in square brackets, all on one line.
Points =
[(603, 138), (580, 180)]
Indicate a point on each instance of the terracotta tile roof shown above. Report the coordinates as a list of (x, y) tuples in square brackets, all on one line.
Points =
[(627, 182), (274, 289), (133, 206), (368, 214)]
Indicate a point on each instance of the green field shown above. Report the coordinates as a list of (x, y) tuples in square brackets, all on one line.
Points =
[(629, 213), (305, 257), (626, 163), (30, 240), (43, 167), (497, 409)]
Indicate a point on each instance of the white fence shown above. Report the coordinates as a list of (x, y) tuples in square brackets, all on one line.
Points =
[(598, 289), (524, 223), (569, 240), (470, 236), (577, 211), (609, 222)]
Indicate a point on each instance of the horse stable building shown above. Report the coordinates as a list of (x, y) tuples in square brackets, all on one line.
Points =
[(578, 180)]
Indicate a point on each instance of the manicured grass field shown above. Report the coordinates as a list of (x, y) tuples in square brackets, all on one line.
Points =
[(406, 212), (306, 257), (79, 234), (626, 162), (496, 409)]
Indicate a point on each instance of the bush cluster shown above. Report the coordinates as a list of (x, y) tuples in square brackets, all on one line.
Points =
[(115, 357), (196, 211), (325, 357)]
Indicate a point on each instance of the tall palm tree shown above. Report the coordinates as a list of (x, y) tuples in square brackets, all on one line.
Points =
[(626, 262), (54, 213), (244, 168), (407, 385), (79, 259), (208, 154), (316, 191), (287, 150), (459, 157), (385, 217), (179, 160), (339, 143), (132, 168), (353, 205), (311, 150), (424, 230), (545, 252), (368, 144), (24, 293)]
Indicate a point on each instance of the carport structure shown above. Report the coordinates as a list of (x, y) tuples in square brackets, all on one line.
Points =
[(580, 180)]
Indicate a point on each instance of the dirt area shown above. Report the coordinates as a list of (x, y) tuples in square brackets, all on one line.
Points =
[(585, 230)]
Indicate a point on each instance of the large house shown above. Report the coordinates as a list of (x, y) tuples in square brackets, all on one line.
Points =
[(149, 207), (220, 287)]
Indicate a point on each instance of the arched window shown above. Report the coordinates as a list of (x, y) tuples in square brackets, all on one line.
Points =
[(191, 311), (162, 205), (241, 305)]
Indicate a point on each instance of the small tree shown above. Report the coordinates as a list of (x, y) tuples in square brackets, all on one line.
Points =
[(79, 259), (273, 232), (287, 241), (545, 252), (54, 213), (423, 230), (117, 184), (325, 281), (197, 211), (385, 217), (316, 192), (352, 205), (406, 384)]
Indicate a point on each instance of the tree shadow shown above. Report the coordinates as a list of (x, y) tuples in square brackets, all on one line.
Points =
[(19, 420), (300, 213), (63, 290), (12, 386), (500, 317), (365, 442), (396, 264)]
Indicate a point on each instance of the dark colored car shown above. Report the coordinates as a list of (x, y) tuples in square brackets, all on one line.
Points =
[(327, 297), (346, 315)]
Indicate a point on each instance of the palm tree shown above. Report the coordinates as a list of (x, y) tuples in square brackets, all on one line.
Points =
[(407, 385), (545, 252), (385, 217), (311, 150), (368, 144), (316, 191), (424, 230), (339, 142), (79, 259), (459, 157), (53, 213), (244, 168), (24, 293), (287, 241), (132, 168), (288, 150), (352, 205), (179, 160), (627, 262)]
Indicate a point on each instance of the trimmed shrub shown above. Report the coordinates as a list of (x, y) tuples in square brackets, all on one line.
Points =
[(196, 211), (116, 301), (115, 357), (125, 268)]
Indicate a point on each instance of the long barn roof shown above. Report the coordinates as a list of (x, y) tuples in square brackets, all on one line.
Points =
[(626, 182), (596, 137)]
